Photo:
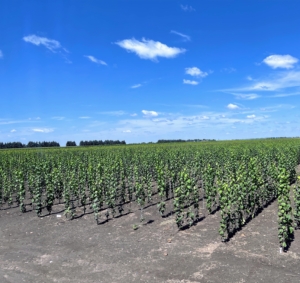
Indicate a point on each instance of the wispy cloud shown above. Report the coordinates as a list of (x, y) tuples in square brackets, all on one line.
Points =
[(275, 82), (204, 117), (211, 124), (43, 130), (149, 49), (84, 117), (228, 70), (275, 108), (184, 36), (50, 44), (195, 72), (58, 118), (9, 122), (133, 115), (136, 86), (248, 96), (95, 60), (285, 94), (149, 113), (1, 54), (182, 123), (113, 113), (187, 8), (189, 82), (232, 106), (196, 105), (13, 131), (281, 61)]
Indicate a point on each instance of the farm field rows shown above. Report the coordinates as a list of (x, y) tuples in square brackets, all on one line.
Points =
[(190, 180), (53, 249)]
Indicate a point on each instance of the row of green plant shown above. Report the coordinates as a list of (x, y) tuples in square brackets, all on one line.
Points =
[(190, 180)]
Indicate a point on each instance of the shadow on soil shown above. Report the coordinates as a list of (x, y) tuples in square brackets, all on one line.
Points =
[(257, 212)]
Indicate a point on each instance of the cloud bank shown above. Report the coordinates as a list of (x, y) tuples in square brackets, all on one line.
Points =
[(189, 82), (43, 130), (149, 49), (232, 106), (281, 61), (149, 113), (195, 72)]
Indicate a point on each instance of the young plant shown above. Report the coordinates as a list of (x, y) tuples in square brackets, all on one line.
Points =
[(297, 204), (285, 221)]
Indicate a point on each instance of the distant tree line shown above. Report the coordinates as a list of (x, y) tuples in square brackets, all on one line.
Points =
[(71, 143), (100, 142), (11, 145), (269, 138), (29, 145), (195, 140), (43, 144), (281, 138)]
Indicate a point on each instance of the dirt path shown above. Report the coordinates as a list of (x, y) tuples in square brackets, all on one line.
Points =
[(52, 249)]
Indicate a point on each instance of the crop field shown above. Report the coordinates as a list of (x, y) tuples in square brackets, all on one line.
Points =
[(231, 183)]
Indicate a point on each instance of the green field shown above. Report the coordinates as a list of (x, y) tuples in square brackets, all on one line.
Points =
[(239, 178)]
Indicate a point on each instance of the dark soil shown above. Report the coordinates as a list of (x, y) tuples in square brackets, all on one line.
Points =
[(54, 249)]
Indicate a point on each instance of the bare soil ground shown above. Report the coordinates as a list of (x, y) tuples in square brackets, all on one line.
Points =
[(53, 249)]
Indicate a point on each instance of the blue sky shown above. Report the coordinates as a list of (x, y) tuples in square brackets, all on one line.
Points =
[(148, 70)]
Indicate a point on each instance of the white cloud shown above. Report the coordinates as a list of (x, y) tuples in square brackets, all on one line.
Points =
[(84, 117), (189, 82), (127, 131), (251, 116), (149, 113), (136, 86), (133, 115), (187, 8), (149, 49), (13, 130), (195, 72), (232, 106), (43, 130), (184, 36), (248, 96), (50, 44), (280, 61), (1, 54), (249, 78), (95, 60)]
